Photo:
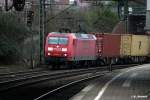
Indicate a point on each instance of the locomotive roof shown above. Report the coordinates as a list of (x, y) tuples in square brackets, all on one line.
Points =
[(76, 35)]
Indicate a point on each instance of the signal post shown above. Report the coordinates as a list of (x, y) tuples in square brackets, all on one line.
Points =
[(42, 30)]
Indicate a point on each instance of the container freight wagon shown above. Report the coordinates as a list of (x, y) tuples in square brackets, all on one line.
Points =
[(134, 47), (108, 47), (149, 48)]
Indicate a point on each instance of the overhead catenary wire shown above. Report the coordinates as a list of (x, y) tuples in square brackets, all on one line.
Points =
[(58, 13)]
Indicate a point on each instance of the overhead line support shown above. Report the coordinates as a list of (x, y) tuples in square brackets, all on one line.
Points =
[(42, 30)]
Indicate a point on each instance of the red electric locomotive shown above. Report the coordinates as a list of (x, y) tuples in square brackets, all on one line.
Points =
[(61, 48)]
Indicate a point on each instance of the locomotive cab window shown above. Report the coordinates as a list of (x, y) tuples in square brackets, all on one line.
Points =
[(58, 40)]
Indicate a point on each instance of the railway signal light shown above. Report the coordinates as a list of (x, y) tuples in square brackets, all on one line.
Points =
[(30, 15), (19, 4)]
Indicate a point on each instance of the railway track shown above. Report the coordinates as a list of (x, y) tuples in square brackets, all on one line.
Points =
[(20, 79), (12, 80), (30, 70), (25, 80), (94, 75), (10, 76), (90, 76)]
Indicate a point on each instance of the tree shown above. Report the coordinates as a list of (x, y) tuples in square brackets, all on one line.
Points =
[(101, 19), (12, 35)]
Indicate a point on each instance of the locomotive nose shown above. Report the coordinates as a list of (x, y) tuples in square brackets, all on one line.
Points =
[(57, 46), (57, 51)]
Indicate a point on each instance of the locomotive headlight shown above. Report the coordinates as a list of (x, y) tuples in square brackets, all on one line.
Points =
[(50, 49), (64, 49), (65, 55), (48, 54)]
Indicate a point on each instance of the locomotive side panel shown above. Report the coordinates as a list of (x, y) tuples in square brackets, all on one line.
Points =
[(84, 49)]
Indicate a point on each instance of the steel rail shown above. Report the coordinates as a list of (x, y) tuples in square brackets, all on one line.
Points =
[(94, 75), (19, 72), (69, 84), (33, 79), (5, 85)]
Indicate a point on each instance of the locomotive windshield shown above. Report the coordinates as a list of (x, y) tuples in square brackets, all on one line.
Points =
[(57, 40)]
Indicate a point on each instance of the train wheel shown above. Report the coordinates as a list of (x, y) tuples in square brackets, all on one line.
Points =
[(87, 64), (55, 66), (99, 62), (69, 65)]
